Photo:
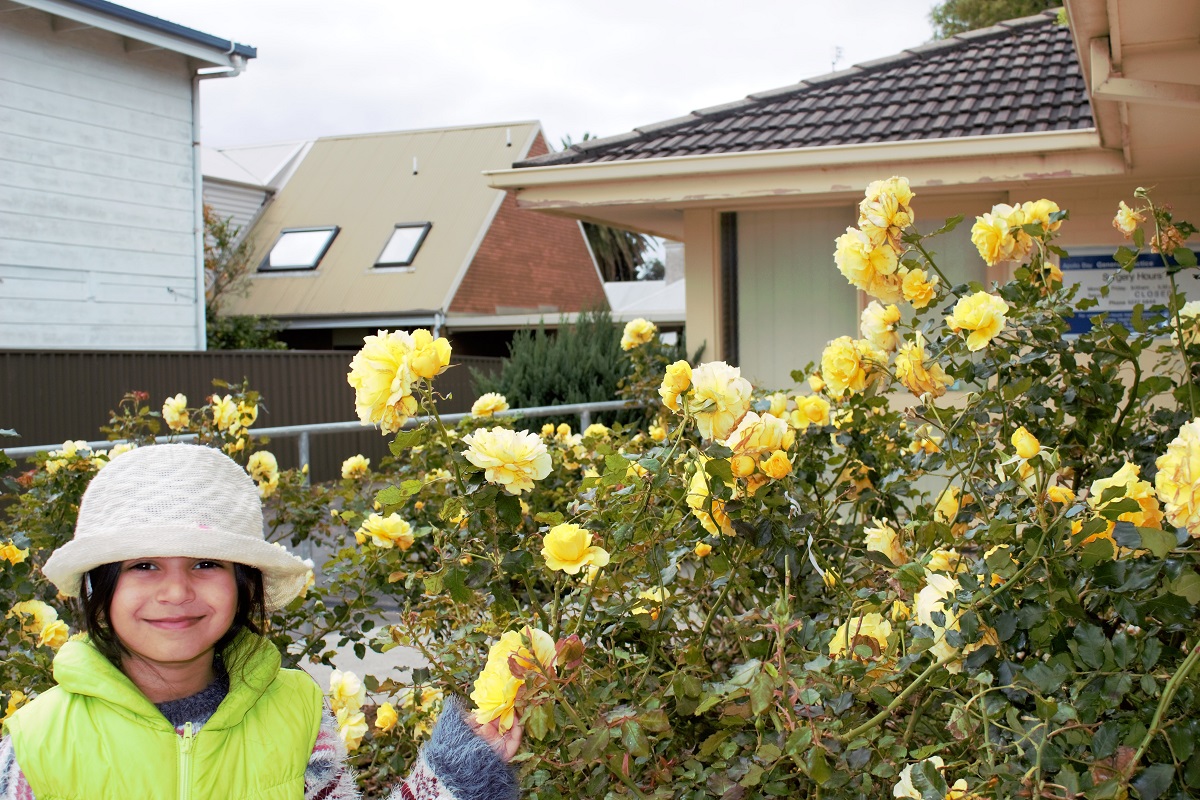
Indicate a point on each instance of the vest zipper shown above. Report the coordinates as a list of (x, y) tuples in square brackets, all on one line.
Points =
[(185, 762)]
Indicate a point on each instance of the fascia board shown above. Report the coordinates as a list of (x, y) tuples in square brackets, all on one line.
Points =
[(207, 55)]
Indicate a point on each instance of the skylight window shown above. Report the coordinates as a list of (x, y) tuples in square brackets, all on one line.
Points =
[(402, 247), (299, 248)]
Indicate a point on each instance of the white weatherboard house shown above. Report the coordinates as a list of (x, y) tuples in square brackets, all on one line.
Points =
[(101, 240)]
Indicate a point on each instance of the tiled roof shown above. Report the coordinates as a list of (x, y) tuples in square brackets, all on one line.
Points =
[(1020, 76)]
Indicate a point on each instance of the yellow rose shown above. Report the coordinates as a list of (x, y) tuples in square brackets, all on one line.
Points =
[(676, 381), (54, 635), (870, 631), (597, 430), (1039, 211), (637, 333), (1127, 219), (263, 467), (917, 374), (355, 467), (1178, 478), (899, 611), (34, 615), (980, 313), (387, 532), (870, 267), (382, 378), (1148, 515), (385, 718), (12, 554), (489, 404), (530, 648), (720, 396), (569, 548), (15, 700), (247, 414), (883, 538), (429, 357), (943, 560), (755, 435), (1026, 443), (702, 549), (947, 506), (510, 459), (1059, 494), (346, 691), (938, 595), (777, 467), (225, 413), (779, 404), (742, 466), (918, 288), (886, 211), (810, 410), (548, 430), (816, 383), (495, 696), (998, 235), (352, 726), (658, 433), (848, 365), (878, 325), (175, 413), (651, 602), (832, 578), (714, 520), (563, 431)]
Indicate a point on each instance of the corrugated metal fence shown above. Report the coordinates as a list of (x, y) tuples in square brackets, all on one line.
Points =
[(50, 396)]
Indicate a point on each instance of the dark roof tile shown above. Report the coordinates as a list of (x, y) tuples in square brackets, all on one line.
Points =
[(1016, 77)]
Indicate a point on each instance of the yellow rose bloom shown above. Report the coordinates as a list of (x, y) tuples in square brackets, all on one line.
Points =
[(1039, 211), (548, 430), (871, 630), (247, 414), (352, 726), (54, 635), (382, 378), (530, 648), (810, 410), (385, 718), (637, 333), (943, 560), (12, 554), (870, 267), (653, 600), (510, 459), (742, 466), (263, 467), (982, 314), (918, 288), (758, 435), (720, 397), (886, 210), (597, 430), (1178, 478), (702, 549), (777, 466), (387, 532), (175, 413), (716, 521), (848, 365), (346, 691), (1148, 515), (429, 357), (1026, 443), (34, 615), (947, 506), (878, 325), (1127, 219), (355, 467), (832, 578), (495, 696), (16, 699), (899, 611), (779, 404), (569, 548), (563, 431), (997, 235), (883, 538), (1059, 494), (489, 404), (225, 413), (658, 433), (916, 373), (676, 381), (938, 595)]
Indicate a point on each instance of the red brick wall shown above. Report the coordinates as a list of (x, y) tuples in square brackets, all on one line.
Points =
[(529, 261)]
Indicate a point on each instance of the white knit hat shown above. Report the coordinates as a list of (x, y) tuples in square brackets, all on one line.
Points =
[(175, 500)]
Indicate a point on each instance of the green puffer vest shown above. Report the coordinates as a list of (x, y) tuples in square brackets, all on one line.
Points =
[(94, 735)]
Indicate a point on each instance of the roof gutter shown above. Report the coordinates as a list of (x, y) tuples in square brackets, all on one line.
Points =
[(713, 164)]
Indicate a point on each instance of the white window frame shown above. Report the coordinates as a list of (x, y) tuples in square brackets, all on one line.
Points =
[(404, 266), (266, 265)]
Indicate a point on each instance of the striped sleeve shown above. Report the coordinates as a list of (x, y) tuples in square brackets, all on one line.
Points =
[(13, 785), (327, 776)]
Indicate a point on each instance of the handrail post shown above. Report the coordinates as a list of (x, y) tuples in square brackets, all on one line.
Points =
[(585, 419), (302, 444)]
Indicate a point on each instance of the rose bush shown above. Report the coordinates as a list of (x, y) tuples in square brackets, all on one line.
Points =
[(958, 561)]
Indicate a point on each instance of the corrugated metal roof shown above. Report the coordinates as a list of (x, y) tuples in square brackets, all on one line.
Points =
[(1017, 77), (365, 184)]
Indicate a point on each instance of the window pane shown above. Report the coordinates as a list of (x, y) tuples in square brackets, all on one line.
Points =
[(402, 248), (299, 249)]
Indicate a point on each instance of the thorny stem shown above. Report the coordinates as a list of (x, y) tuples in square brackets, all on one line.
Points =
[(712, 612), (582, 728), (1169, 692), (899, 701), (427, 393)]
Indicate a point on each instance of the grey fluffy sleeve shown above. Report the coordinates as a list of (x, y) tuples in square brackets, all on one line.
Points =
[(12, 782), (465, 763)]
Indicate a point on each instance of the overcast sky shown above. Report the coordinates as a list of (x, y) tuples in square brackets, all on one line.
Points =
[(602, 66)]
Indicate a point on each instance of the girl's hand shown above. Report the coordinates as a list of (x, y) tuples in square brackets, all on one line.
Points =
[(505, 744)]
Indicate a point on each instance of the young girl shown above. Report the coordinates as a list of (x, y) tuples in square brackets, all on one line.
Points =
[(174, 693)]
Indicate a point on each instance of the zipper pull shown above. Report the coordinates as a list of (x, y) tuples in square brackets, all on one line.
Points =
[(187, 738)]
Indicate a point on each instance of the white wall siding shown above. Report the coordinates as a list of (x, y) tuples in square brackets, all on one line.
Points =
[(240, 202), (791, 298), (97, 216)]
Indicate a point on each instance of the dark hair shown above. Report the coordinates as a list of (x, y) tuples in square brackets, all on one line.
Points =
[(100, 584)]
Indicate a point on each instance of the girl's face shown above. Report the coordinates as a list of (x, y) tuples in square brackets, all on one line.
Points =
[(172, 610)]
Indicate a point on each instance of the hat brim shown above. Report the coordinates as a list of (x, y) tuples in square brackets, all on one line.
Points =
[(284, 575)]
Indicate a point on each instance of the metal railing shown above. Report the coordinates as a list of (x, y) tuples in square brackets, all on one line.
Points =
[(302, 433)]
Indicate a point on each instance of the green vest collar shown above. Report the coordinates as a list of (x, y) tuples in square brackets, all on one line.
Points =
[(252, 662)]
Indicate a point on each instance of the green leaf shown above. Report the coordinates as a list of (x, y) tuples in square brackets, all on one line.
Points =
[(1157, 541), (508, 508), (1045, 678), (1185, 257), (406, 440), (817, 767), (1187, 585), (634, 740), (928, 781), (762, 693), (720, 469), (594, 745), (540, 721), (548, 517), (1154, 781), (951, 224), (455, 581), (1096, 551), (1125, 257)]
